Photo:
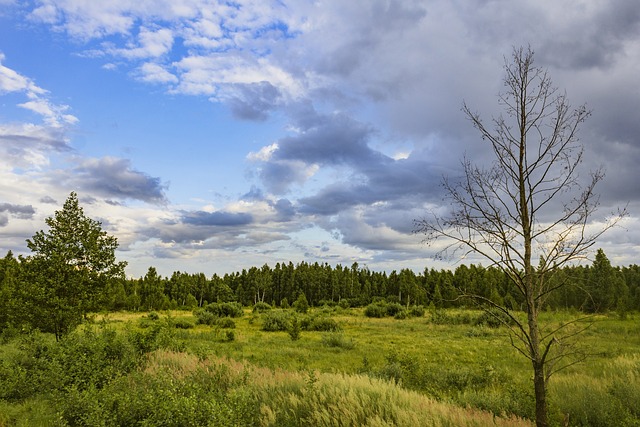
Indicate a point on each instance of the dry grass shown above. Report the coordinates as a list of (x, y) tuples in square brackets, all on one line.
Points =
[(324, 399)]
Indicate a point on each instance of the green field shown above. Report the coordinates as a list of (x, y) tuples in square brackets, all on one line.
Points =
[(438, 369)]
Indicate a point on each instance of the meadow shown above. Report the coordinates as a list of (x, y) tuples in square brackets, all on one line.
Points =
[(337, 368)]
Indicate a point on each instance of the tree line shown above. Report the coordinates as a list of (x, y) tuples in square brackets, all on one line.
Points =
[(596, 288)]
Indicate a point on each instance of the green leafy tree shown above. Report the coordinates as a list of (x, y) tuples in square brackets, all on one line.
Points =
[(301, 305), (606, 287), (68, 272)]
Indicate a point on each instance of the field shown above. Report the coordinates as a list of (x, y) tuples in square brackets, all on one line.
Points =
[(442, 368)]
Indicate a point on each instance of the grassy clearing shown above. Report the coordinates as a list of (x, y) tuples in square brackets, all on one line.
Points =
[(412, 367)]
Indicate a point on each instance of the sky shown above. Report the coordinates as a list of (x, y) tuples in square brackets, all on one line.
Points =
[(211, 136)]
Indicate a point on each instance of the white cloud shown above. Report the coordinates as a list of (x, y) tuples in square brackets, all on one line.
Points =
[(264, 154), (155, 73), (149, 44)]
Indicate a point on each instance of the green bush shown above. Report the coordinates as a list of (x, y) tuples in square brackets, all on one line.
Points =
[(153, 316), (225, 309), (204, 317), (416, 311), (225, 323), (402, 314), (294, 330), (493, 318), (393, 309), (276, 320), (375, 310), (320, 324), (301, 305), (260, 307), (183, 324)]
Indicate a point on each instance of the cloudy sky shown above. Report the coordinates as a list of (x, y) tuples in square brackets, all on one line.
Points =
[(210, 136)]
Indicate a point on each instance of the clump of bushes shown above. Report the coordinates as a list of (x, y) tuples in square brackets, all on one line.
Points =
[(381, 309), (377, 310), (320, 324), (276, 320), (225, 309), (301, 305), (260, 307), (183, 324), (493, 318), (225, 323), (212, 313)]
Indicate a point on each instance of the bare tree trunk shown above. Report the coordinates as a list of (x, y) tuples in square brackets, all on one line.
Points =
[(538, 362)]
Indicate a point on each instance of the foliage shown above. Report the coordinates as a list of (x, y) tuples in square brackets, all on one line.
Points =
[(337, 340), (228, 309), (259, 307), (301, 305), (68, 272), (320, 324), (375, 310), (225, 323), (295, 329), (276, 320)]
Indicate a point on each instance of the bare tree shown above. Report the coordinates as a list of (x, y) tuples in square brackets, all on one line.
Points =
[(530, 204)]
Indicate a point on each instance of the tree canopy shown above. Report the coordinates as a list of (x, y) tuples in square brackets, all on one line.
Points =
[(69, 269)]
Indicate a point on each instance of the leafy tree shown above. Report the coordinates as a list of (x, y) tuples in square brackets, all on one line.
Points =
[(301, 305), (530, 204), (605, 286), (69, 269), (9, 271)]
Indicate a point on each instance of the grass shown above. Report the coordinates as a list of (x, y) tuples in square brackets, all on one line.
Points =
[(373, 363)]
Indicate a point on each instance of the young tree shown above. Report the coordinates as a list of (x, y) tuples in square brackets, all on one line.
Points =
[(529, 205), (67, 273)]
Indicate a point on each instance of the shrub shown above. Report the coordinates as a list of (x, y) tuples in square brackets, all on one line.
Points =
[(225, 323), (344, 303), (323, 324), (294, 330), (375, 310), (204, 317), (337, 340), (229, 336), (493, 318), (276, 320), (183, 324), (153, 315), (394, 308), (416, 311), (301, 305), (260, 307), (225, 309), (402, 314)]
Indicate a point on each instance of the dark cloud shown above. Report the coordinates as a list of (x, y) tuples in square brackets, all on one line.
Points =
[(333, 139), (48, 200), (18, 211), (285, 210), (254, 101), (4, 220), (254, 194), (279, 176), (115, 178), (217, 219), (595, 39)]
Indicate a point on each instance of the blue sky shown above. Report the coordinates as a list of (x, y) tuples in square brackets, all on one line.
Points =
[(211, 136)]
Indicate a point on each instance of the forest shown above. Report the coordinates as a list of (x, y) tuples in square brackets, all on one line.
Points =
[(595, 288)]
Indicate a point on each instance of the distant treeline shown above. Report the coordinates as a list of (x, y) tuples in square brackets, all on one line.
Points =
[(599, 287)]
